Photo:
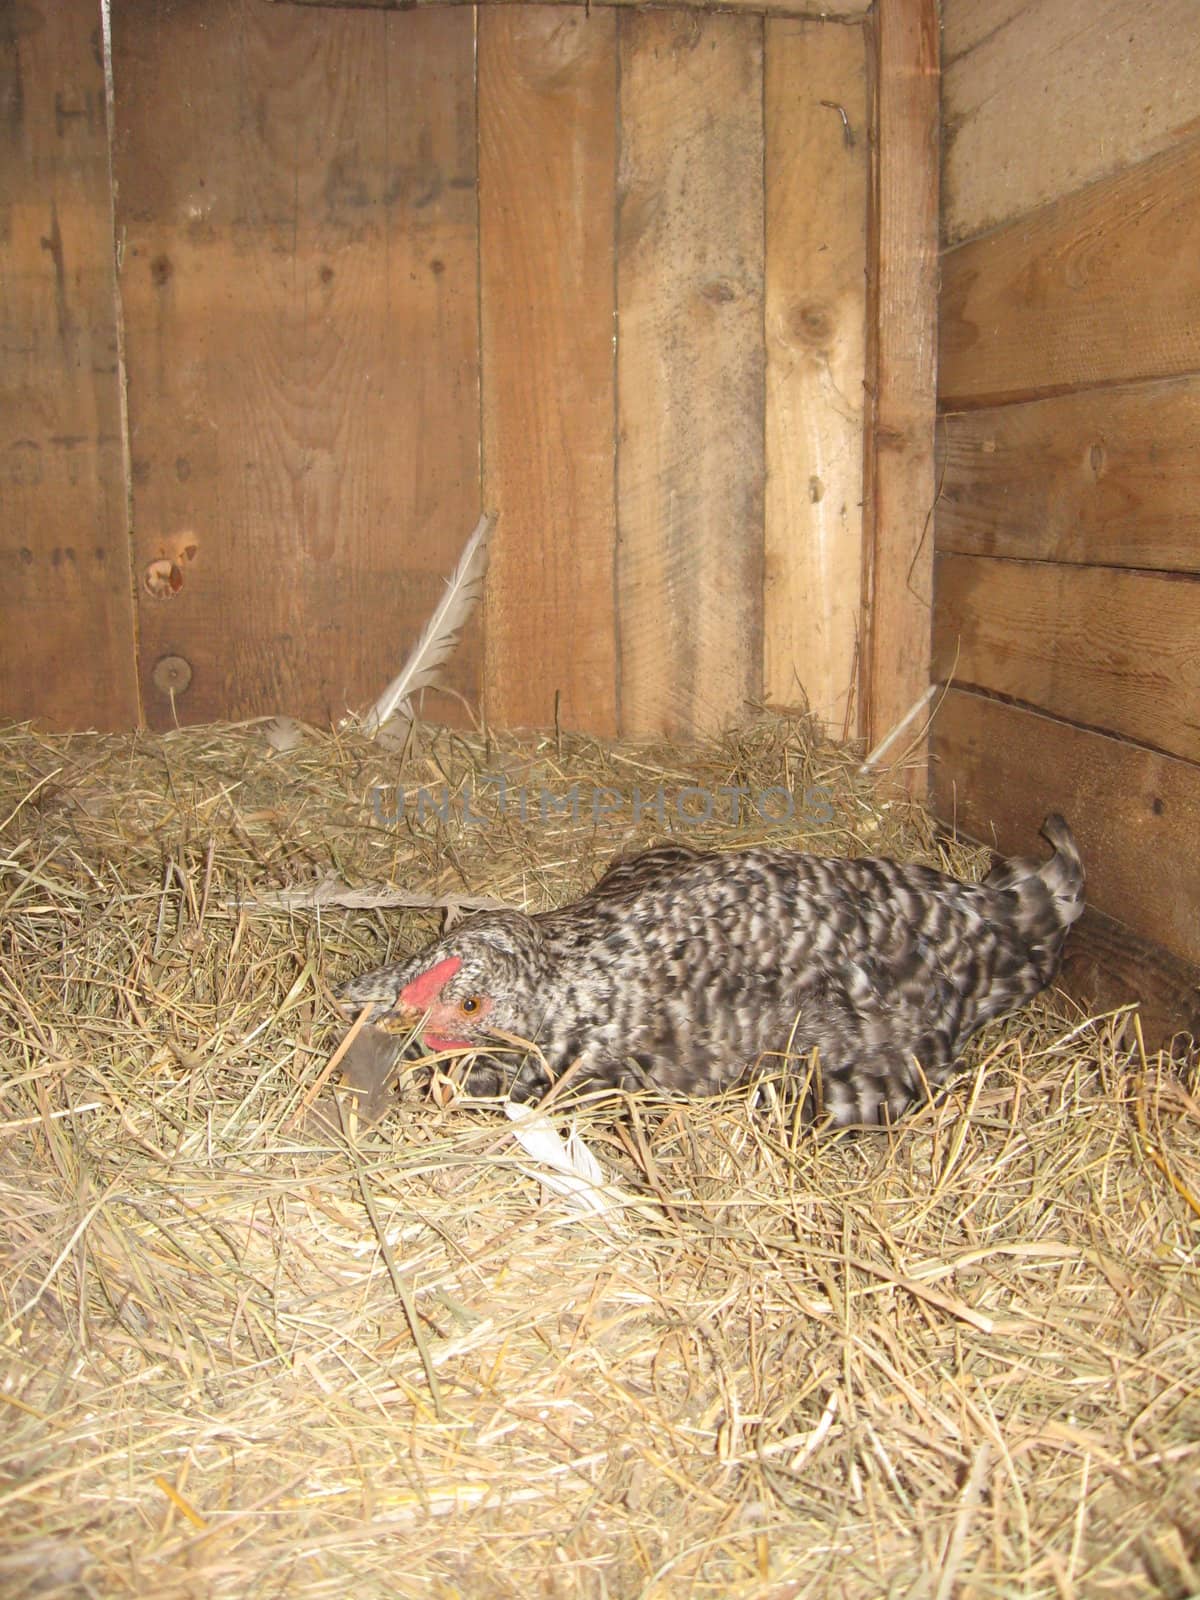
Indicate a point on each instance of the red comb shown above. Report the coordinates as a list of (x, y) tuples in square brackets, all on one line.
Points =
[(423, 991)]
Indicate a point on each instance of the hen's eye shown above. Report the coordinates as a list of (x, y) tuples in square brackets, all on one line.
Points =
[(470, 1005)]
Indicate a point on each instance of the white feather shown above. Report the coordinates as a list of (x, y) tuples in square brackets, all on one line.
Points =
[(574, 1171), (442, 632)]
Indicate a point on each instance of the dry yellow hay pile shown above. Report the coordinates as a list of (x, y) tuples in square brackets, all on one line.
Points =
[(248, 1353)]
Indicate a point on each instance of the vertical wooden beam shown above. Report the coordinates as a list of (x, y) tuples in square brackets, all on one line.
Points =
[(296, 195), (900, 453), (690, 370), (547, 150), (67, 654), (817, 172)]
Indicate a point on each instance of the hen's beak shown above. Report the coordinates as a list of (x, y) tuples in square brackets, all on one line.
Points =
[(401, 1001), (399, 1019), (386, 1012)]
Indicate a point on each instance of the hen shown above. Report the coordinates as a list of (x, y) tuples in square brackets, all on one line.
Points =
[(686, 971)]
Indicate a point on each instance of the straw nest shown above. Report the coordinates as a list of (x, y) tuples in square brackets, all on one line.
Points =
[(253, 1348)]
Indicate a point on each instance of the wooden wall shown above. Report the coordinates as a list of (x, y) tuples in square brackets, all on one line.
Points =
[(604, 270), (296, 217), (66, 616), (1067, 612)]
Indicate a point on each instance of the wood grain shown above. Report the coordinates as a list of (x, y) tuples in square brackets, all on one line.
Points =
[(968, 23), (297, 205), (1100, 287), (1105, 965), (900, 454), (999, 769), (1097, 645), (547, 98), (65, 610), (690, 370), (1042, 97), (817, 159), (837, 10), (1107, 476)]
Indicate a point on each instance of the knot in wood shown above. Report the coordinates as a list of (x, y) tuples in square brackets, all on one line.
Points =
[(171, 675)]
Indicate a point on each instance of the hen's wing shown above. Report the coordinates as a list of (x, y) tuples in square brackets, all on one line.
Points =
[(628, 877)]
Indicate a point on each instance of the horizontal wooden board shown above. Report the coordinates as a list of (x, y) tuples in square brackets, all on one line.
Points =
[(1044, 96), (1098, 645), (900, 450), (547, 182), (690, 370), (1107, 476), (1101, 287), (66, 618), (998, 770), (817, 161), (832, 11), (297, 196), (1106, 965)]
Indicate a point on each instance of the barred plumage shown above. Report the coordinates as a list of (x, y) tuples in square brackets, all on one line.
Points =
[(685, 971)]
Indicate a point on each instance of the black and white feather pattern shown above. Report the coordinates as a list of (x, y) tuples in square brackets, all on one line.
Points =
[(686, 971)]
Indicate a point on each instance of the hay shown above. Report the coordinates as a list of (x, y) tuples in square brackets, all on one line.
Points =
[(242, 1359)]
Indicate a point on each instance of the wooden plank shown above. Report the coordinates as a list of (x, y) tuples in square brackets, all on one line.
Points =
[(843, 10), (1098, 288), (1107, 476), (66, 617), (547, 105), (1109, 648), (999, 769), (817, 158), (297, 202), (690, 370), (1105, 965), (1041, 98), (900, 480), (967, 23)]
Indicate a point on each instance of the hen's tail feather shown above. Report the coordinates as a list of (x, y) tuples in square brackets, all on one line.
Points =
[(1046, 896), (1063, 874)]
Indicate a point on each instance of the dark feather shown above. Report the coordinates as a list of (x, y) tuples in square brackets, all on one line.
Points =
[(687, 970)]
